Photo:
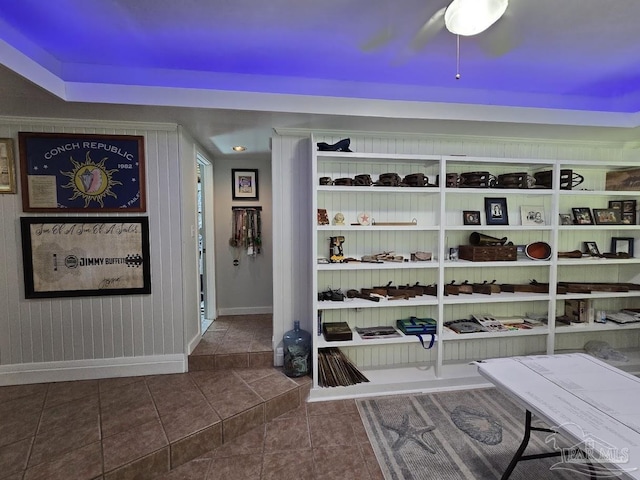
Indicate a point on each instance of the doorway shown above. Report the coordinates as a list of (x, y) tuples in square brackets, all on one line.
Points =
[(206, 243)]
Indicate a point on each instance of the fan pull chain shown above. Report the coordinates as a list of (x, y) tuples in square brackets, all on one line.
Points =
[(457, 57)]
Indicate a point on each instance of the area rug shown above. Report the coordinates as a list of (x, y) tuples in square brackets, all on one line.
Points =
[(467, 434)]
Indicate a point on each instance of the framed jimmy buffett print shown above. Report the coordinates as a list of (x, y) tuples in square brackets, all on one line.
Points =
[(85, 256)]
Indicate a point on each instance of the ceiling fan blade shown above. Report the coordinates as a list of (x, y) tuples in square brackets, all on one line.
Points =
[(379, 40), (430, 29), (501, 37)]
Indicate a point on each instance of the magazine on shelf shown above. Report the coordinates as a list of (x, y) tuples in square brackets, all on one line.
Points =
[(465, 325), (369, 333), (490, 323), (623, 316)]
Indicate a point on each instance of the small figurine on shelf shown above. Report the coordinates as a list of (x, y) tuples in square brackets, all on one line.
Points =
[(336, 253), (338, 219), (323, 217)]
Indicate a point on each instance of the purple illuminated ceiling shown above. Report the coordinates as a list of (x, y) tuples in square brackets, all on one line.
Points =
[(573, 54)]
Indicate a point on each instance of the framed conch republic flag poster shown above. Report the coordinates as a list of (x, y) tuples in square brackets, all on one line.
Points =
[(85, 256), (63, 172)]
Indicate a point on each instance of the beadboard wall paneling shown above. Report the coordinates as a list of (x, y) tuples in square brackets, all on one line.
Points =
[(291, 178), (292, 282), (92, 328)]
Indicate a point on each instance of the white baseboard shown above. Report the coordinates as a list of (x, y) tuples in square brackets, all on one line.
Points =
[(45, 372), (245, 311), (193, 343)]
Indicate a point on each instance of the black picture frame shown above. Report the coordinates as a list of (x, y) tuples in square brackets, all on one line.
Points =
[(629, 212), (82, 173), (582, 216), (85, 256), (622, 245), (592, 249), (244, 184), (607, 216), (471, 217), (496, 210)]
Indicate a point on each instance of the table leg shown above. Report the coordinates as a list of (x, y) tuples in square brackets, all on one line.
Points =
[(523, 445), (521, 448)]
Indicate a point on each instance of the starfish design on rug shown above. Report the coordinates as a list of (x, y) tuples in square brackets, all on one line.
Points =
[(408, 432)]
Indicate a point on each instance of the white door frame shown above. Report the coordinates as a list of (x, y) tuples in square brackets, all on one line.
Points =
[(208, 237)]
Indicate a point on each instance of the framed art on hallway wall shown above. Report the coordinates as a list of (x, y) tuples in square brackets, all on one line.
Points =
[(244, 184)]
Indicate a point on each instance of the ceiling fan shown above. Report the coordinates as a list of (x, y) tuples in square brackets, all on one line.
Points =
[(461, 18)]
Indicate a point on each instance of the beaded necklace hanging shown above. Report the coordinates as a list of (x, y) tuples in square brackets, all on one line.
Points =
[(247, 230)]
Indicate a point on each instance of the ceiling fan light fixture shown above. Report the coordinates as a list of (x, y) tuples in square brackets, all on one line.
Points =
[(470, 17)]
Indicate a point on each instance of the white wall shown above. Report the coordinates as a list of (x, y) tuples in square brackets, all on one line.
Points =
[(247, 288), (292, 234), (93, 337)]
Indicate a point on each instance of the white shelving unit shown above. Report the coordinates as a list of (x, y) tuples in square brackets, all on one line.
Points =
[(401, 364)]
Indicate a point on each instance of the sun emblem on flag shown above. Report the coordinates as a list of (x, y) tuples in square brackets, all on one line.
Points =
[(91, 181)]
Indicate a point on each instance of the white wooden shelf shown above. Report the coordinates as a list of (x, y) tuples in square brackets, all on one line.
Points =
[(595, 327), (597, 295), (360, 342), (405, 379), (357, 266), (520, 262), (422, 300), (390, 362), (599, 193), (596, 261), (377, 189), (448, 336), (379, 228), (474, 228), (384, 157), (499, 192), (503, 297), (566, 228)]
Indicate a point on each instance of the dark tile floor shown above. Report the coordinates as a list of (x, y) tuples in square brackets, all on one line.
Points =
[(233, 416)]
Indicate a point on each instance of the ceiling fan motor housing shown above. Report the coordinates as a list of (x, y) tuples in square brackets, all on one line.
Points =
[(470, 17)]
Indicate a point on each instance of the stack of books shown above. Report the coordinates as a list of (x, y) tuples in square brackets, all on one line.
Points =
[(336, 370)]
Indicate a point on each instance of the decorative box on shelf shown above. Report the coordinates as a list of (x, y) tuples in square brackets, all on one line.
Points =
[(487, 253), (337, 331)]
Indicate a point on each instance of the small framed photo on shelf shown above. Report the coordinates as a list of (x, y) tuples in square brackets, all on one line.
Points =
[(471, 217), (629, 218), (627, 209), (607, 216), (591, 248), (496, 210), (622, 245), (532, 215), (582, 216), (566, 219), (629, 215)]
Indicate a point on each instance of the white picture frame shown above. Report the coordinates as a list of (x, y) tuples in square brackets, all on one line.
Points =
[(533, 215)]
